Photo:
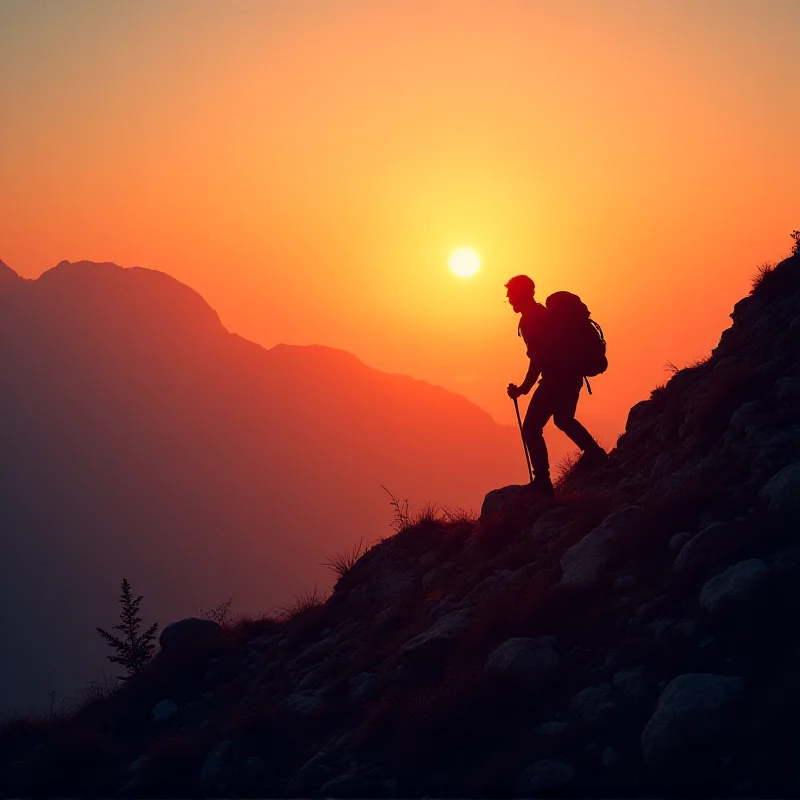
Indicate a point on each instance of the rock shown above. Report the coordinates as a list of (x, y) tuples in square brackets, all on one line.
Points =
[(313, 774), (362, 686), (303, 702), (253, 768), (714, 546), (692, 710), (431, 643), (593, 707), (218, 766), (611, 757), (781, 494), (733, 587), (549, 524), (347, 786), (633, 684), (527, 662), (552, 729), (677, 542), (585, 563), (164, 711), (500, 505), (191, 634), (545, 776)]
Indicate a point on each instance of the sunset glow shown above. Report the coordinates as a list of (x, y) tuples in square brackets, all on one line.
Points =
[(464, 262), (300, 164)]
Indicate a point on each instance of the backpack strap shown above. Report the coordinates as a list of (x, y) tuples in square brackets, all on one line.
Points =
[(588, 385)]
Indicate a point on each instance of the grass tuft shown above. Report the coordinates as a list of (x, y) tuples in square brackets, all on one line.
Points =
[(341, 563)]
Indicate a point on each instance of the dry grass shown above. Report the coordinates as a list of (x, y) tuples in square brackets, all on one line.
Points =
[(565, 466), (761, 273), (341, 563), (302, 603), (220, 614)]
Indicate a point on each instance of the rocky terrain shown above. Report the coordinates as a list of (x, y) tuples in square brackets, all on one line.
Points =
[(636, 637)]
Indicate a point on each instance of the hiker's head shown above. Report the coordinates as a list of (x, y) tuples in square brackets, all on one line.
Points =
[(519, 291)]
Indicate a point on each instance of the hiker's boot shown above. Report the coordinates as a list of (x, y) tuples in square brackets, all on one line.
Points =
[(542, 486), (592, 457)]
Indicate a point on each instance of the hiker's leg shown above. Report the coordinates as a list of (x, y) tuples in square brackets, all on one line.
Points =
[(540, 409), (564, 416)]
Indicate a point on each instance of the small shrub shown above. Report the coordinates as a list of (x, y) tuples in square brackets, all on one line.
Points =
[(402, 517), (220, 614), (762, 271), (303, 602), (796, 246), (135, 649)]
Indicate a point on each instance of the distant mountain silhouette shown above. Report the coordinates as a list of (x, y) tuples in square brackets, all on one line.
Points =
[(141, 438)]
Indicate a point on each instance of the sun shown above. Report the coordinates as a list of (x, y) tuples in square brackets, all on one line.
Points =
[(464, 262)]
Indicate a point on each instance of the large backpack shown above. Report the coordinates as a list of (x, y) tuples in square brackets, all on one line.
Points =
[(576, 342)]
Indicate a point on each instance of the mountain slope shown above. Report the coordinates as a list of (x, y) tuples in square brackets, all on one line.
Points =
[(140, 438)]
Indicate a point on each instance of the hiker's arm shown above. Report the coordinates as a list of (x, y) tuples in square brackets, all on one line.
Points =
[(530, 378), (527, 384)]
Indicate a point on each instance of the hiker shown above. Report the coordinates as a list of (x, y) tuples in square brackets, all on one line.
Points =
[(556, 395)]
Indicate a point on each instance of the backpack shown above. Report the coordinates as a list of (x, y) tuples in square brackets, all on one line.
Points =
[(576, 342)]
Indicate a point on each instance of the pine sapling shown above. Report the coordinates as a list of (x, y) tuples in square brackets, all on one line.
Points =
[(133, 649)]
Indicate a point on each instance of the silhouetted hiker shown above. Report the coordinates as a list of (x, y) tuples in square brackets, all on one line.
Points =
[(556, 395)]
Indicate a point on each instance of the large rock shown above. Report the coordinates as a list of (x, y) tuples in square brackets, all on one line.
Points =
[(693, 709), (782, 493), (164, 711), (716, 545), (733, 587), (543, 777), (528, 662), (586, 562), (435, 640), (218, 768), (191, 634), (593, 706), (503, 504)]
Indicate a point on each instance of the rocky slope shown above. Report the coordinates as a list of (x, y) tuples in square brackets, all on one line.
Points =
[(637, 637)]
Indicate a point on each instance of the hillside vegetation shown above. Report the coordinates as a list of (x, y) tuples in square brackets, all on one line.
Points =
[(636, 637)]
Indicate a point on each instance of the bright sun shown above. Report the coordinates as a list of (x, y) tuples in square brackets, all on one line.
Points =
[(464, 262)]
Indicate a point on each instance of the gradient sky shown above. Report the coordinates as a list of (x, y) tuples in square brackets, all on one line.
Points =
[(308, 165)]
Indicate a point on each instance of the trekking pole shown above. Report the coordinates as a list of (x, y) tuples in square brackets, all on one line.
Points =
[(524, 446)]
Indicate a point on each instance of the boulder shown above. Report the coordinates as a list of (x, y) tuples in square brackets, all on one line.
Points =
[(593, 707), (435, 640), (217, 771), (302, 702), (530, 663), (716, 545), (191, 634), (781, 494), (549, 524), (734, 587), (362, 686), (587, 561), (545, 776), (500, 505), (692, 710), (164, 711), (633, 684)]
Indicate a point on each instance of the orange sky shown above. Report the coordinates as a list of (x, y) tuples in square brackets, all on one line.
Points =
[(308, 166)]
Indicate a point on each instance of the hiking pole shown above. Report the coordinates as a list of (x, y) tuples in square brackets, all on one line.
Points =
[(524, 446)]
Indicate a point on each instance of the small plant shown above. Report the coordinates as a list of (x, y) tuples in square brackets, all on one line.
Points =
[(796, 246), (220, 614), (305, 601), (402, 517), (343, 562), (134, 649), (566, 465), (763, 270)]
